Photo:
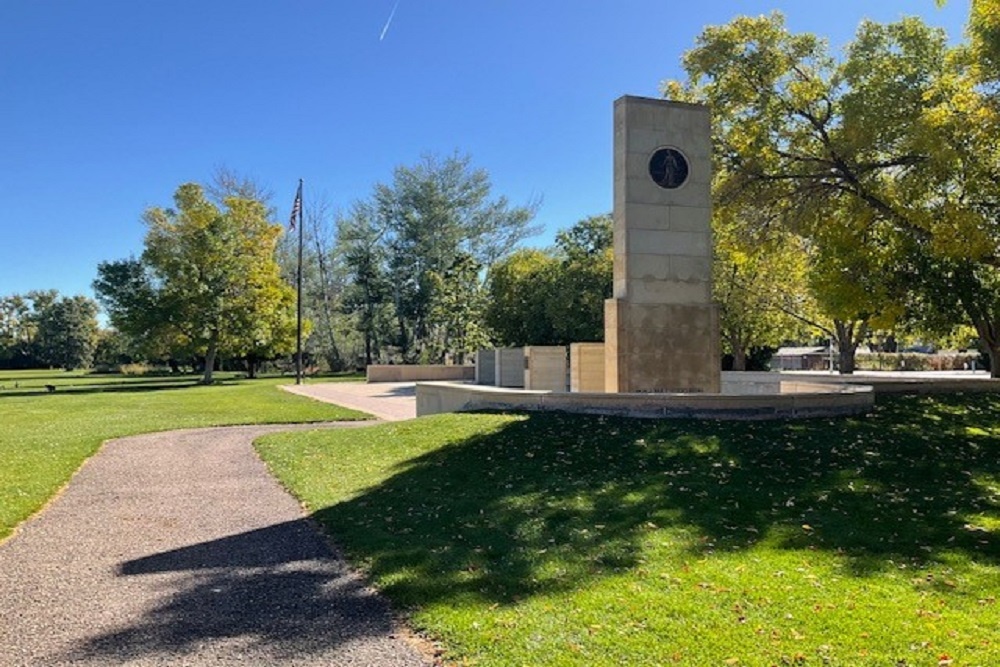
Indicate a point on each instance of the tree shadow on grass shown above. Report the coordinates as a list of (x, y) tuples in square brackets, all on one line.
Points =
[(130, 386), (550, 501), (271, 595)]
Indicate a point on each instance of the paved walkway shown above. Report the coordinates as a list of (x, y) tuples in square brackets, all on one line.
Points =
[(180, 549), (391, 401)]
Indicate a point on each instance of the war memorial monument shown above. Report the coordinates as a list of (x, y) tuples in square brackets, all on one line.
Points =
[(661, 351), (661, 329)]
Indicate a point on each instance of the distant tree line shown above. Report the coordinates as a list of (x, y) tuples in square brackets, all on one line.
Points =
[(44, 329)]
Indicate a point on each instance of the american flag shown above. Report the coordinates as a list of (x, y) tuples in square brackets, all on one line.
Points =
[(296, 208)]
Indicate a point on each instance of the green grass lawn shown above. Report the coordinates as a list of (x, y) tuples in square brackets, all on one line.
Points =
[(46, 436), (552, 539)]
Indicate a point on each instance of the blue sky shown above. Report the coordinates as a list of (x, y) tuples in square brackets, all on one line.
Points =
[(107, 106)]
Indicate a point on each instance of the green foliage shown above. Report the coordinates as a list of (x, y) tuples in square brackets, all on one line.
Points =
[(368, 293), (207, 282), (554, 297), (439, 208), (550, 539), (920, 362), (457, 306), (883, 160), (960, 263), (759, 284), (434, 211), (519, 286), (584, 280), (404, 240), (589, 238), (41, 329), (47, 436), (129, 296), (984, 28), (14, 320), (67, 333)]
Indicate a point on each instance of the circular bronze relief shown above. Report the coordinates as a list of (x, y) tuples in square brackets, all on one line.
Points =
[(668, 167)]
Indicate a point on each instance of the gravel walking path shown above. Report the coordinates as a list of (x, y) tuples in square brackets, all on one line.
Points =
[(180, 549)]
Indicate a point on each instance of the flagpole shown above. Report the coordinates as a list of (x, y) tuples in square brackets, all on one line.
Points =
[(298, 299)]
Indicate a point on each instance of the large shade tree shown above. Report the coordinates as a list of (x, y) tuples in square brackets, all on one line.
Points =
[(893, 142), (585, 253), (207, 281), (957, 188), (456, 312)]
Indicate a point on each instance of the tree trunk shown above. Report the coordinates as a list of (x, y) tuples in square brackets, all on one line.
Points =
[(404, 342), (324, 281), (988, 336), (981, 310), (213, 349), (739, 353), (845, 357), (739, 359), (847, 346)]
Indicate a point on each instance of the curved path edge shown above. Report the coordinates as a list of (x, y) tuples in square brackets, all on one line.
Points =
[(179, 547)]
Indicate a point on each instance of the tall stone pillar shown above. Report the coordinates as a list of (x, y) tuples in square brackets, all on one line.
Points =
[(661, 329)]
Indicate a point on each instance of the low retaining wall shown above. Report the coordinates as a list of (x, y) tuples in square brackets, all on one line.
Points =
[(900, 382), (777, 399), (744, 396), (414, 373)]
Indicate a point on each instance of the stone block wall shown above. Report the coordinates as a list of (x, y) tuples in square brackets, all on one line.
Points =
[(545, 367), (586, 363), (486, 367), (509, 366)]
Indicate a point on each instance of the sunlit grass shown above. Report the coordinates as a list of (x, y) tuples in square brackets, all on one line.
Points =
[(573, 540), (46, 436)]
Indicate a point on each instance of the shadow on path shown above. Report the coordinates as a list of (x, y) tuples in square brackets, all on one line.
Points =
[(408, 390), (278, 593)]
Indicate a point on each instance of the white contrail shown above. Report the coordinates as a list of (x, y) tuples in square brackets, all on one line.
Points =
[(388, 21)]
